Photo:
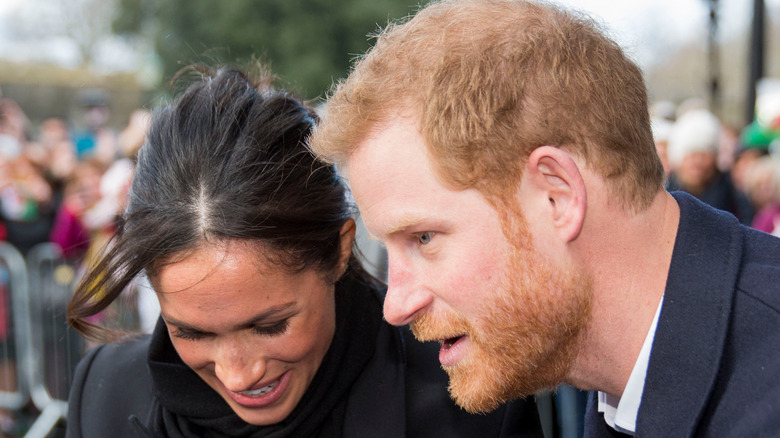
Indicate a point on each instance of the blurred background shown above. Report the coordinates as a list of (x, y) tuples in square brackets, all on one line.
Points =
[(77, 78), (51, 48)]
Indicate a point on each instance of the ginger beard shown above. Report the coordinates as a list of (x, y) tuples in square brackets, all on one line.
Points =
[(529, 336)]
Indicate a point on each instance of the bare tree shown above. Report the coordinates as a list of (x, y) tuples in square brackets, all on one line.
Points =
[(84, 22)]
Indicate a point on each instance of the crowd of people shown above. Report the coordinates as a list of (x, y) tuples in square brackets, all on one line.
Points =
[(733, 169), (65, 181), (60, 183)]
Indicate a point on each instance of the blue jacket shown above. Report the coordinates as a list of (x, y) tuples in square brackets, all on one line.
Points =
[(714, 368)]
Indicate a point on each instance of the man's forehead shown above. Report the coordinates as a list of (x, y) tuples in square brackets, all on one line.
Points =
[(391, 177), (387, 148)]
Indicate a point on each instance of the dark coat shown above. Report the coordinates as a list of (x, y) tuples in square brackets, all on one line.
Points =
[(714, 368), (401, 393)]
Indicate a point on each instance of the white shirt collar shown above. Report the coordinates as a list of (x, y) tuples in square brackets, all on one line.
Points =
[(621, 413)]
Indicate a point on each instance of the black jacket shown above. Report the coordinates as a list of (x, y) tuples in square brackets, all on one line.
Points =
[(400, 393)]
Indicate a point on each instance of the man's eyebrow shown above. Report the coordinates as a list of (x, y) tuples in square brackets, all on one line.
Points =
[(404, 223), (261, 317)]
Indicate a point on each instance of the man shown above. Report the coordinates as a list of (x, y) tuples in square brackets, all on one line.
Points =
[(502, 152), (694, 141)]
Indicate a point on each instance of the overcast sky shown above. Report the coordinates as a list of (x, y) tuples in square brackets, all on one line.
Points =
[(651, 28), (647, 29)]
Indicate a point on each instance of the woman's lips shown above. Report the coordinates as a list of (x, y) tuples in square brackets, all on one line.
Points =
[(262, 396)]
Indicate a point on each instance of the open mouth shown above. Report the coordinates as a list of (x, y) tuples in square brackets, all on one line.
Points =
[(260, 391), (264, 395), (449, 342), (452, 350)]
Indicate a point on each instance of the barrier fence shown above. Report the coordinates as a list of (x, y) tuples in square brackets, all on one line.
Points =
[(39, 350)]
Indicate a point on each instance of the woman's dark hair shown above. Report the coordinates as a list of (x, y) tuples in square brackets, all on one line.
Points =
[(226, 160)]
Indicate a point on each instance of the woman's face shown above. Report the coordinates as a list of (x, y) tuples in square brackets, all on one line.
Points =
[(254, 332)]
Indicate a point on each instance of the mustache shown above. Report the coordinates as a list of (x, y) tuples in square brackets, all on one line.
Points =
[(438, 327)]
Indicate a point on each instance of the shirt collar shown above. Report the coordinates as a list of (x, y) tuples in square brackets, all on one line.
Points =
[(620, 413)]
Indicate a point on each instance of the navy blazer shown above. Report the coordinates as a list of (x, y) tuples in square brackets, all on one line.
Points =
[(714, 368)]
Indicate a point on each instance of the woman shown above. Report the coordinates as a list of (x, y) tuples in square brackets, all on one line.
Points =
[(269, 325)]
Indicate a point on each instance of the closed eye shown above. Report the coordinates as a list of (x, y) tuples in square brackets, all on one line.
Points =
[(272, 330), (189, 334)]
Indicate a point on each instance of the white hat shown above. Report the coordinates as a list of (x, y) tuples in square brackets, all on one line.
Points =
[(694, 131), (661, 128)]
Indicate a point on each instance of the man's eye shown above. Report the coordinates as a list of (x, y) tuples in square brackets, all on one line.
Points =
[(425, 237)]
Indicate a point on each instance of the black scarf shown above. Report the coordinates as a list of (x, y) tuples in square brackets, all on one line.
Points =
[(188, 407)]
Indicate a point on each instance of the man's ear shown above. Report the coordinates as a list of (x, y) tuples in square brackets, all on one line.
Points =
[(557, 183)]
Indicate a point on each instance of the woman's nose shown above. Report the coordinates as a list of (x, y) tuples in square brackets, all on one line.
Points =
[(238, 367)]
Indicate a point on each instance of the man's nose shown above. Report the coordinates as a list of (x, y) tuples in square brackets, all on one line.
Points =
[(406, 295)]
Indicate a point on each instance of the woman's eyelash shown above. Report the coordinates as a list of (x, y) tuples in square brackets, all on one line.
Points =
[(189, 335), (265, 330), (272, 330)]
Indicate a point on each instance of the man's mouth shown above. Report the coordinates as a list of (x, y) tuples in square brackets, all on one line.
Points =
[(446, 344), (452, 350)]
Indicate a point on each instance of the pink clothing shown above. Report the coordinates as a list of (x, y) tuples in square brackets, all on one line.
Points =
[(768, 219), (69, 233)]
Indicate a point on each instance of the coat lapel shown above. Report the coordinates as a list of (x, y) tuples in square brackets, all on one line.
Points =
[(693, 324)]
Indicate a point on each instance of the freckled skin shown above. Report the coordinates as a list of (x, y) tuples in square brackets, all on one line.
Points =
[(217, 290)]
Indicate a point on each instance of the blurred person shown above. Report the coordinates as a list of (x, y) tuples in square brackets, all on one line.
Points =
[(95, 139), (63, 161), (661, 129), (763, 189), (132, 137), (269, 326), (52, 152), (664, 110), (744, 158), (502, 151), (141, 293), (71, 231), (14, 123), (729, 144), (694, 140), (11, 132), (54, 137), (52, 131), (26, 203), (688, 105), (753, 144)]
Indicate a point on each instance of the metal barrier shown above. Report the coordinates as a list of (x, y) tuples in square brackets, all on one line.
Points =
[(38, 351), (54, 347), (16, 349)]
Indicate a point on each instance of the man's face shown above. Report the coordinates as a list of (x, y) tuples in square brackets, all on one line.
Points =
[(507, 315), (697, 170)]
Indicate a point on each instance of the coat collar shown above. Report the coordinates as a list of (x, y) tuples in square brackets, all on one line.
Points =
[(693, 325)]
